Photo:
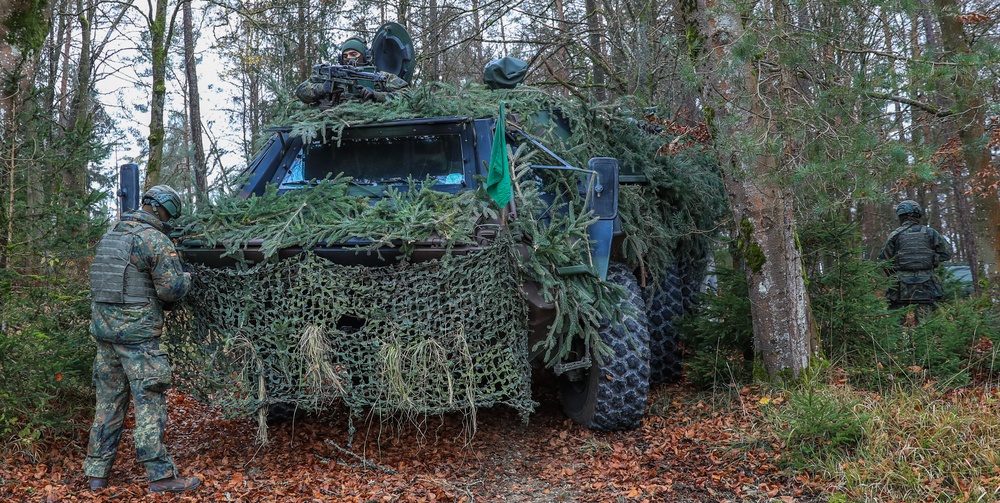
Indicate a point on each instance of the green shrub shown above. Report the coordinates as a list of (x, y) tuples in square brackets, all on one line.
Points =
[(45, 355), (719, 334), (950, 346), (857, 332), (847, 309), (820, 423)]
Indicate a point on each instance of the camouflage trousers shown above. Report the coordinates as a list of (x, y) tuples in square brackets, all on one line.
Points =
[(143, 371)]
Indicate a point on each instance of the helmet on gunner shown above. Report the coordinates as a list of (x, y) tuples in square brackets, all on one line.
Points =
[(353, 52), (908, 209), (162, 196)]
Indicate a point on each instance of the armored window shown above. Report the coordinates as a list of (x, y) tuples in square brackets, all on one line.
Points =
[(382, 160)]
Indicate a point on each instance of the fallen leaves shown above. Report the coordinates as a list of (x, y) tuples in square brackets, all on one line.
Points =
[(696, 452)]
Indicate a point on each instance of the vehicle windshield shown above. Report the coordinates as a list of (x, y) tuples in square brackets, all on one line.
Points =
[(380, 160)]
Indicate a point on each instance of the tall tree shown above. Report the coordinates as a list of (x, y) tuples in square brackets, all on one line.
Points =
[(161, 28), (595, 29), (24, 25), (79, 119), (198, 168), (970, 125), (748, 140)]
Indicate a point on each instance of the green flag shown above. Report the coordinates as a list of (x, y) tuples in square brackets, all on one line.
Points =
[(498, 176)]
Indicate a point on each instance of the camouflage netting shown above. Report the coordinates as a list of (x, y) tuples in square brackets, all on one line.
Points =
[(446, 335), (410, 339)]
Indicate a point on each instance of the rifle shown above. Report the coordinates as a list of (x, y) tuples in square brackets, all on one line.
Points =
[(331, 84)]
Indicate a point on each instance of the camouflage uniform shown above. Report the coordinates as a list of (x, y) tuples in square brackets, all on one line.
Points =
[(915, 251), (129, 359), (321, 93)]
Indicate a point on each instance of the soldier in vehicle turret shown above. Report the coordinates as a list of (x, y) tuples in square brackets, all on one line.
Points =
[(911, 253), (361, 80)]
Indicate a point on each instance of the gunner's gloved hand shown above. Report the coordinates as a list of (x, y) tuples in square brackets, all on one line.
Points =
[(365, 94)]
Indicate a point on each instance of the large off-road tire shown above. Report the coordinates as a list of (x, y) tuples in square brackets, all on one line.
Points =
[(694, 272), (612, 396), (674, 294), (664, 302)]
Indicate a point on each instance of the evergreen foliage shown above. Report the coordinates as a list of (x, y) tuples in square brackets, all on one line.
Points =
[(950, 347), (326, 213), (48, 225), (821, 423), (45, 353), (845, 291), (674, 214), (857, 331), (719, 334)]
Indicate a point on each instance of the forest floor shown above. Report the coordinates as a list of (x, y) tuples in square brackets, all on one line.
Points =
[(692, 447)]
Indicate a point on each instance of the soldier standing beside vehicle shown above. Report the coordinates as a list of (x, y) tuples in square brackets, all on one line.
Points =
[(320, 92), (136, 271), (914, 251)]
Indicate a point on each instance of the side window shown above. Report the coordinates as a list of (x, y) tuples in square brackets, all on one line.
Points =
[(296, 173)]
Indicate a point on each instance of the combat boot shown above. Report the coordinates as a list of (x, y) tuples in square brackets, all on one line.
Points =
[(98, 483), (174, 485)]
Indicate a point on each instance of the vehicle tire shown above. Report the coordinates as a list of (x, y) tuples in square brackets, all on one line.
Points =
[(664, 302), (694, 272), (675, 294), (612, 396)]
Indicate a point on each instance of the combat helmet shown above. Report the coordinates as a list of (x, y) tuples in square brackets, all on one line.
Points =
[(356, 43), (504, 73), (165, 197), (909, 208)]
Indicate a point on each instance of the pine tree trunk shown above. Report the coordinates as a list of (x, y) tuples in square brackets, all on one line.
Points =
[(785, 338), (971, 128), (194, 109), (595, 29), (79, 118)]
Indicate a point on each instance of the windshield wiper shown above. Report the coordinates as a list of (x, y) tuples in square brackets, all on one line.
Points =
[(367, 187), (397, 179)]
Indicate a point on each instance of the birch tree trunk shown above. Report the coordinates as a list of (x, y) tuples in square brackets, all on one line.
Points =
[(748, 141)]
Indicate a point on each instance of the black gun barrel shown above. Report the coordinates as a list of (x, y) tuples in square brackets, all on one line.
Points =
[(333, 72)]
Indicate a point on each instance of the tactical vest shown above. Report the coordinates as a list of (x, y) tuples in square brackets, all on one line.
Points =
[(913, 250), (113, 278)]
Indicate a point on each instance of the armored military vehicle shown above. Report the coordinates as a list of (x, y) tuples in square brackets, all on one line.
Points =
[(425, 293)]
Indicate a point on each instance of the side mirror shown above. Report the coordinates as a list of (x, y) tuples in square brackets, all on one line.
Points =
[(128, 188), (605, 198)]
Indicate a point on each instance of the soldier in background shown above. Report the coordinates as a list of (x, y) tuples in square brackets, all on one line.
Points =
[(912, 252), (136, 271), (322, 93)]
